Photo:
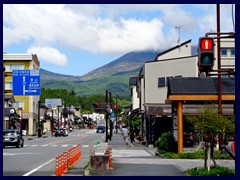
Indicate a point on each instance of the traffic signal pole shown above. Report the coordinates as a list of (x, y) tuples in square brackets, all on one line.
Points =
[(106, 116), (219, 73)]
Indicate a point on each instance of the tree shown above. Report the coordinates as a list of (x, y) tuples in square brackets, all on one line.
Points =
[(211, 124)]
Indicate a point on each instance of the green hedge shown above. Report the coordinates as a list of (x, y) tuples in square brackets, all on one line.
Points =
[(214, 171)]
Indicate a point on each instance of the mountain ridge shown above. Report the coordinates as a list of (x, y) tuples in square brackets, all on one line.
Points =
[(113, 76)]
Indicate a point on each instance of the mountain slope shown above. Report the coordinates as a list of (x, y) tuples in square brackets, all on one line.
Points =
[(113, 76)]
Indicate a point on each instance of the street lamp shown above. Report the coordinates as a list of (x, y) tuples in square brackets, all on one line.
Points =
[(39, 129), (20, 110), (12, 118)]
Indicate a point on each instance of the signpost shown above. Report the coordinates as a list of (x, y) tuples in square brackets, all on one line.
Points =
[(53, 102), (26, 83)]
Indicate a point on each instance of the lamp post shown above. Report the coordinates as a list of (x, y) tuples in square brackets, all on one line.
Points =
[(58, 116), (12, 118), (39, 129), (107, 115), (20, 121)]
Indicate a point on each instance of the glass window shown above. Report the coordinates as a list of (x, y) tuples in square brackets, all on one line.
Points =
[(10, 67), (223, 52), (19, 104), (8, 85), (168, 80), (161, 82), (232, 52)]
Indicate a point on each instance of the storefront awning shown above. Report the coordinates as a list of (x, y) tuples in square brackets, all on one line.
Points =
[(158, 109)]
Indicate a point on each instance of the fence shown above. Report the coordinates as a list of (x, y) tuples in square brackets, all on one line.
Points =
[(67, 159)]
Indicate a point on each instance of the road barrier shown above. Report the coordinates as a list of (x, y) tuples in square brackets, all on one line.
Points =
[(67, 159), (110, 158)]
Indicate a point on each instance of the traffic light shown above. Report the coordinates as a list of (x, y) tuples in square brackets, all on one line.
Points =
[(205, 54), (115, 107)]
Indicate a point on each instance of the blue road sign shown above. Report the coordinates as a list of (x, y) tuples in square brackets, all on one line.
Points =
[(112, 115), (26, 83)]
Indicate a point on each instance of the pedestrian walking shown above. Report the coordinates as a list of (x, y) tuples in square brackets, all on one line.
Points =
[(125, 134), (132, 136)]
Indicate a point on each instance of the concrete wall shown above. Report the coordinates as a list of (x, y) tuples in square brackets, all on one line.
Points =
[(135, 99), (185, 67)]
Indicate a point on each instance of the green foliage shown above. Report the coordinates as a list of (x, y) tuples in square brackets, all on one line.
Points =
[(116, 84), (211, 123), (166, 143), (134, 121), (85, 102), (194, 155), (214, 171)]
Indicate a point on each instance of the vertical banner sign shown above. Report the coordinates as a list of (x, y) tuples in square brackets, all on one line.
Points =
[(26, 83)]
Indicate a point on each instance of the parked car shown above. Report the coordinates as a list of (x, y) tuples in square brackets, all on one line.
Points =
[(61, 132), (12, 137), (100, 129)]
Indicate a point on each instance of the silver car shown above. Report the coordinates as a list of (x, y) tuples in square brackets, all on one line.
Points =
[(12, 137)]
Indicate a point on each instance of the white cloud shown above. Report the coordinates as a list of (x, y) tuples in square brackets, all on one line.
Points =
[(49, 55), (101, 28)]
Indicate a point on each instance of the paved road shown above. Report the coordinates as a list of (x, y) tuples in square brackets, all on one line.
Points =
[(37, 157)]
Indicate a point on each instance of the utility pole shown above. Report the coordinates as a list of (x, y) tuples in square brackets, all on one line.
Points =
[(219, 73), (39, 129), (107, 104), (116, 126), (110, 120)]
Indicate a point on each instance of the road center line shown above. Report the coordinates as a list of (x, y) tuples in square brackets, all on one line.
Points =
[(66, 140), (34, 170)]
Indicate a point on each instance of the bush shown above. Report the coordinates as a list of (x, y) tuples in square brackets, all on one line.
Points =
[(166, 143), (214, 171)]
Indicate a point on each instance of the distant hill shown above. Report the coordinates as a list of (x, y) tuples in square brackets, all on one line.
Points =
[(113, 76)]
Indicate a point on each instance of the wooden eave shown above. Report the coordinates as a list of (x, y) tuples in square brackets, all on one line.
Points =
[(198, 98)]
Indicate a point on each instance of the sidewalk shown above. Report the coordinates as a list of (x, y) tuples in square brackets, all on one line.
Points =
[(138, 160)]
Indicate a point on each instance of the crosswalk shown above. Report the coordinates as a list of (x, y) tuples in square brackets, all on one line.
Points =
[(54, 145)]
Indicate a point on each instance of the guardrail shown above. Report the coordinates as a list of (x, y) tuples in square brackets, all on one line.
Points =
[(67, 159)]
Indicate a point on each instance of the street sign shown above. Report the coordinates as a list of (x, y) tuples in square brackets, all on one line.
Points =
[(53, 102), (26, 83)]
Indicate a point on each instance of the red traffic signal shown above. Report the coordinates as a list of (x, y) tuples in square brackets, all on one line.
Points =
[(115, 106), (205, 54), (206, 44)]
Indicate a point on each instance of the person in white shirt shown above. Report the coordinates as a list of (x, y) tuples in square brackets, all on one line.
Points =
[(125, 134)]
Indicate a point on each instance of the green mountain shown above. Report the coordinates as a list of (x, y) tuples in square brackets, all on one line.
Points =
[(113, 76)]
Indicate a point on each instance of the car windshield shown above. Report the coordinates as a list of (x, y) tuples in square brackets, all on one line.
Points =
[(8, 133), (101, 127)]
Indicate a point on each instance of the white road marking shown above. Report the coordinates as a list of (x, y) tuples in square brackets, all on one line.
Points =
[(85, 146), (13, 154), (65, 145), (34, 170), (54, 145)]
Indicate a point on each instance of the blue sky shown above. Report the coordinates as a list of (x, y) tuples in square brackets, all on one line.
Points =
[(76, 39)]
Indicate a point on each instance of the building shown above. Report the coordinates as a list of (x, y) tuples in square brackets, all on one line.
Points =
[(153, 81), (25, 105)]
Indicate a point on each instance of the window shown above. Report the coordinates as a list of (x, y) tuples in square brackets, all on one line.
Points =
[(178, 76), (10, 67), (232, 52), (19, 104), (223, 52), (8, 85), (161, 82), (168, 80)]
